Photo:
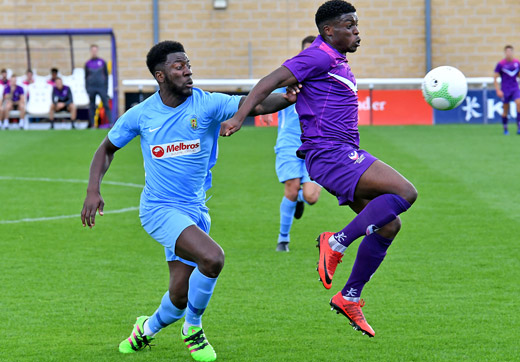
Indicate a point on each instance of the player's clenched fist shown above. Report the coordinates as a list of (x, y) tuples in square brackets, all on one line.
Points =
[(229, 127)]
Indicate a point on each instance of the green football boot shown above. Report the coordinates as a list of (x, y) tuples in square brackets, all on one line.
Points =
[(198, 345), (137, 340)]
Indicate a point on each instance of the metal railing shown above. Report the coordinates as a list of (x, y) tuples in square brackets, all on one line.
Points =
[(370, 83)]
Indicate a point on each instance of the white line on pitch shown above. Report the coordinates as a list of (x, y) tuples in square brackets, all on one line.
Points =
[(46, 179), (60, 217)]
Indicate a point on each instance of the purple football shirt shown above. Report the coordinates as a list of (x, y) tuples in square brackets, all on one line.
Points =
[(63, 95), (328, 101), (17, 93), (508, 72)]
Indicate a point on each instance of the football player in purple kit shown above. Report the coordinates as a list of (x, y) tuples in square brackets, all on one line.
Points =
[(507, 69), (328, 110), (13, 98)]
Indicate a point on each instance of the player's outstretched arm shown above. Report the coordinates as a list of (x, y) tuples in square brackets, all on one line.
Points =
[(99, 166), (276, 101), (281, 77)]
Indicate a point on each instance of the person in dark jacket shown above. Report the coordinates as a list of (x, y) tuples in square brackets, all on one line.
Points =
[(96, 83)]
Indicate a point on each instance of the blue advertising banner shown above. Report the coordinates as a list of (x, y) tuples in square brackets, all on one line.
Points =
[(480, 106)]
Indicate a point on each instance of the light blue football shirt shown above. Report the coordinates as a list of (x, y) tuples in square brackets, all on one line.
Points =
[(289, 130), (179, 145)]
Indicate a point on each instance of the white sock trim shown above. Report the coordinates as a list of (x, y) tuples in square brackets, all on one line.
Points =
[(350, 299), (147, 331), (334, 245), (187, 326)]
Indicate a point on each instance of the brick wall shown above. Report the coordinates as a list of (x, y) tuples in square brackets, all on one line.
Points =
[(468, 34), (471, 34)]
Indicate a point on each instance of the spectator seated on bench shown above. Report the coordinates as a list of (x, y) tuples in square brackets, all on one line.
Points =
[(62, 102), (13, 99)]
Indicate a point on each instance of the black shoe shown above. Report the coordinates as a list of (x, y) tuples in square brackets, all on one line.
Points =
[(283, 246), (300, 205)]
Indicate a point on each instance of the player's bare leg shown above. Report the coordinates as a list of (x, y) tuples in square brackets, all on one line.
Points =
[(5, 116), (291, 188), (52, 110), (73, 114), (517, 103), (381, 194), (288, 209), (195, 245), (311, 192), (505, 113)]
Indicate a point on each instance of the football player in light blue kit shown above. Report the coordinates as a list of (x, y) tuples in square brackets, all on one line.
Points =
[(291, 170), (178, 127)]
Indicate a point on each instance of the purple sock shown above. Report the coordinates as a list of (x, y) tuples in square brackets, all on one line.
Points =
[(518, 119), (371, 253), (379, 212), (504, 123)]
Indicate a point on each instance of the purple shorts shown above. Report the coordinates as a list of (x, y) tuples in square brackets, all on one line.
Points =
[(511, 96), (338, 169)]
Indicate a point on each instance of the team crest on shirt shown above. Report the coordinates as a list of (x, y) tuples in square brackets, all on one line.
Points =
[(193, 123)]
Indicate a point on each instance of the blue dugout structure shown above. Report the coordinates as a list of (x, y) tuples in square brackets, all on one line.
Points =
[(26, 33)]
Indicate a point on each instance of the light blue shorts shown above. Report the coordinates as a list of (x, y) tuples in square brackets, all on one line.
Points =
[(166, 223), (289, 167)]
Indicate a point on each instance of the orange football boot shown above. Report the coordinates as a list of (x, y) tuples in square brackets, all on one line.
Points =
[(329, 259), (352, 310)]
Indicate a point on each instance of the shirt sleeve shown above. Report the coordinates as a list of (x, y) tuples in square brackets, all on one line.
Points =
[(222, 106), (310, 63), (126, 128), (498, 68)]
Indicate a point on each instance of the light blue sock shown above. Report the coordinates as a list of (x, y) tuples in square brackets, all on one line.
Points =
[(301, 197), (287, 208), (165, 315), (199, 293)]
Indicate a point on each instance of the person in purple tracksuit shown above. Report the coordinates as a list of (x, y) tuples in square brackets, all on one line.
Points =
[(62, 101)]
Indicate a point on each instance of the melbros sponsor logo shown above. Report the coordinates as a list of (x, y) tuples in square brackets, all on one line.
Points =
[(175, 149)]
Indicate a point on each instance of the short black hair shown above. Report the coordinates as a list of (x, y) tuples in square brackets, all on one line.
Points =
[(308, 39), (508, 47), (54, 70), (3, 70), (29, 70), (159, 52), (331, 10)]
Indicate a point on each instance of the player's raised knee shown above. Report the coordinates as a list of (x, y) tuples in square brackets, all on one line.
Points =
[(409, 193), (212, 263), (311, 198)]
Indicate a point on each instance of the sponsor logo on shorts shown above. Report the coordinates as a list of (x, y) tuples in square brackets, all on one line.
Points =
[(354, 156), (175, 149)]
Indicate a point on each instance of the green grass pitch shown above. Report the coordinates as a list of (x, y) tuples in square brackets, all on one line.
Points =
[(447, 291)]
